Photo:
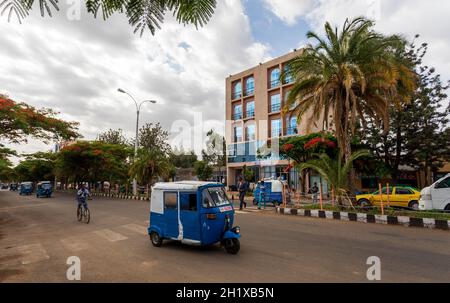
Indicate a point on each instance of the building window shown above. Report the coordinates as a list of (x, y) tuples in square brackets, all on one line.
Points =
[(250, 109), (275, 103), (237, 90), (237, 134), (237, 112), (275, 128), (188, 201), (288, 78), (170, 200), (250, 133), (275, 77), (291, 125), (250, 86)]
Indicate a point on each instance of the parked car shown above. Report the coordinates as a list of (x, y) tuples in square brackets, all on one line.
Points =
[(436, 196), (399, 196)]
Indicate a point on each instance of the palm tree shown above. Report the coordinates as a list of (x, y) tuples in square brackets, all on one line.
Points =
[(350, 75), (335, 172), (150, 165), (140, 13)]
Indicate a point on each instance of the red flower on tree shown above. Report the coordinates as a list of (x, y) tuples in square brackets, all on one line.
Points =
[(313, 143), (287, 147)]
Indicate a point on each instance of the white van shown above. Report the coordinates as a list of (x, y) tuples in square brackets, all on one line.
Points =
[(436, 196)]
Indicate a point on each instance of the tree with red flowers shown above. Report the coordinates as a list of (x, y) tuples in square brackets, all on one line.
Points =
[(18, 121), (302, 148)]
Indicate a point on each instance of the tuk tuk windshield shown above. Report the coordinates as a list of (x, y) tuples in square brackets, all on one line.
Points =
[(46, 186), (216, 197)]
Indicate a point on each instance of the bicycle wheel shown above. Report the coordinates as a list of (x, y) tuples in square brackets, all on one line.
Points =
[(87, 215), (79, 213)]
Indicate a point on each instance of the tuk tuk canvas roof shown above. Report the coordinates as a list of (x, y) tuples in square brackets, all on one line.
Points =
[(182, 185)]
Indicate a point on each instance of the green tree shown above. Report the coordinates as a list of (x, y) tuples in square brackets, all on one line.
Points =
[(249, 175), (153, 136), (335, 171), (350, 74), (150, 165), (94, 161), (141, 14), (113, 136), (19, 121), (426, 149), (7, 172), (36, 167), (215, 154), (182, 159), (203, 170)]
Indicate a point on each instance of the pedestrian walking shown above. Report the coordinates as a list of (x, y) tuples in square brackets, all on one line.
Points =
[(314, 192), (242, 189)]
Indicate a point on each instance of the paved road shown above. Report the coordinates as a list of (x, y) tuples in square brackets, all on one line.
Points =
[(38, 235)]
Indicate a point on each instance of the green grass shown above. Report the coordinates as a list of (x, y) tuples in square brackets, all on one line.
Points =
[(387, 211)]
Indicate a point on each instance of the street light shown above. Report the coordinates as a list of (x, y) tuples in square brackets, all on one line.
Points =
[(136, 143)]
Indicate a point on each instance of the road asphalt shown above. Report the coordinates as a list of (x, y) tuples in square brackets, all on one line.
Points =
[(38, 235)]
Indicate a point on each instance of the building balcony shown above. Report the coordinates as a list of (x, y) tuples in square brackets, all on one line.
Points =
[(288, 80), (274, 108), (276, 133), (250, 114), (249, 92), (274, 83), (237, 116), (236, 96), (291, 131)]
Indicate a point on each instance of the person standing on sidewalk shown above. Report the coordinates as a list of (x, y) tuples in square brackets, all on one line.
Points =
[(314, 192), (242, 188)]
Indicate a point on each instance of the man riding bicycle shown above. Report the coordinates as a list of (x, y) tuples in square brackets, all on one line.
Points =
[(82, 196)]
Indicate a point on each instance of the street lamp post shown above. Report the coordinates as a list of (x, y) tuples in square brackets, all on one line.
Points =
[(136, 143)]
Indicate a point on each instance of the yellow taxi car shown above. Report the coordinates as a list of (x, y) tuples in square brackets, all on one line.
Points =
[(399, 196)]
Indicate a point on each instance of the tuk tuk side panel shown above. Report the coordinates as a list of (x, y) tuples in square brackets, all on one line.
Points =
[(190, 216)]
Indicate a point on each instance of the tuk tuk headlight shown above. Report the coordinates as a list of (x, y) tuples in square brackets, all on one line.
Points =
[(237, 230)]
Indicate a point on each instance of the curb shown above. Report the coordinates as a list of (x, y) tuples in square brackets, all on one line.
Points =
[(120, 196), (366, 218)]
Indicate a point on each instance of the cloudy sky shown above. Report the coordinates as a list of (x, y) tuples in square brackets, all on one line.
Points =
[(76, 66)]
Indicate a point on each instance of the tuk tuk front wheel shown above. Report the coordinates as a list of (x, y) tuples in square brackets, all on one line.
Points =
[(156, 239), (232, 246)]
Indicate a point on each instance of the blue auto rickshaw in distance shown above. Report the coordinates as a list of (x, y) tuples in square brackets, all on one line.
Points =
[(196, 213), (44, 189), (26, 188), (268, 191)]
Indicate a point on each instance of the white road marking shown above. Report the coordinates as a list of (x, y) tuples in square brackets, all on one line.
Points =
[(74, 244), (136, 228), (110, 235), (241, 212)]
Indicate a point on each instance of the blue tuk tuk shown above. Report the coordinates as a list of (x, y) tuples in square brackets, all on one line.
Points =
[(26, 188), (44, 189), (268, 191), (196, 213)]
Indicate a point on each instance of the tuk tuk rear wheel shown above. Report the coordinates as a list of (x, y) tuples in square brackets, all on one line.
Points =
[(155, 239), (232, 246)]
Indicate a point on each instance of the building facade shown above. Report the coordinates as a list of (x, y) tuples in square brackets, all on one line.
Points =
[(254, 102)]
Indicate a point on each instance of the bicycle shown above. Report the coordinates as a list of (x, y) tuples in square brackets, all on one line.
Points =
[(83, 213)]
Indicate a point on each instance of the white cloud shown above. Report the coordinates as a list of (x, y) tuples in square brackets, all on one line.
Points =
[(77, 66), (406, 17), (289, 10)]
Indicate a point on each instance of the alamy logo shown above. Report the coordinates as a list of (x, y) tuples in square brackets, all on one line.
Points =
[(74, 271), (374, 271)]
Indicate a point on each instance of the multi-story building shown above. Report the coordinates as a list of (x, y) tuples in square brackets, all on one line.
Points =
[(254, 103)]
